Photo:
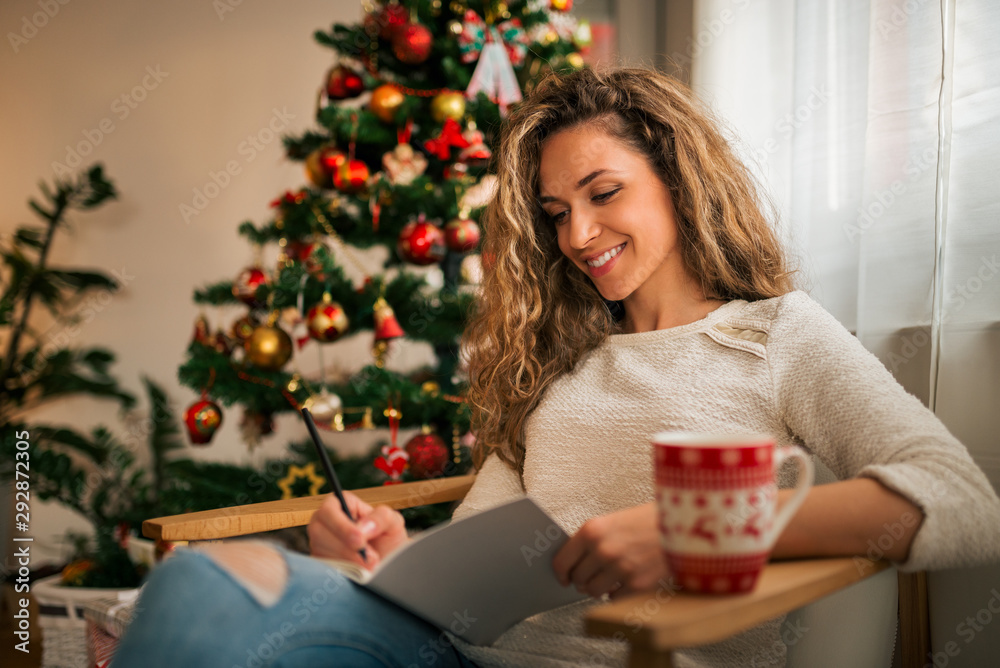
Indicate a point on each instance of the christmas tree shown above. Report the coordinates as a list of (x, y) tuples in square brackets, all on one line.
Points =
[(400, 160)]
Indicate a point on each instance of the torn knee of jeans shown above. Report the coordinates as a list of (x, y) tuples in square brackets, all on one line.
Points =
[(257, 566)]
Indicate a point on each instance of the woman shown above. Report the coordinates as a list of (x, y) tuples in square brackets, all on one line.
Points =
[(636, 287)]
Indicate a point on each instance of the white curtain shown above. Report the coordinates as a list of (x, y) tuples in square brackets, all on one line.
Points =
[(875, 127)]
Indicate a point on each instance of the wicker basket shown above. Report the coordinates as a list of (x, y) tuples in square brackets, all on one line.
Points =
[(64, 629)]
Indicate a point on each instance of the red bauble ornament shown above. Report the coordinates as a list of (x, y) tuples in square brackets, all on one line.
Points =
[(343, 83), (421, 242), (327, 321), (246, 284), (351, 176), (322, 164), (461, 235), (412, 43), (428, 455), (386, 21), (202, 419)]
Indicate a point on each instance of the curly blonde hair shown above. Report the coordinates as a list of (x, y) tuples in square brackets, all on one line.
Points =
[(537, 314)]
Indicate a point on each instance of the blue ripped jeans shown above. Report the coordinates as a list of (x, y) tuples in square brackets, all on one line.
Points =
[(193, 613)]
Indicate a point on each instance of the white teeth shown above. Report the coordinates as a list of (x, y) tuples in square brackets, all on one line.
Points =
[(601, 259)]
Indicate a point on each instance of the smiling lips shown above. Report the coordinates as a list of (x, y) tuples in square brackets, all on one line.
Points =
[(602, 264)]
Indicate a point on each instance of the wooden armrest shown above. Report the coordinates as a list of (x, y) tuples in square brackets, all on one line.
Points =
[(655, 624), (272, 515)]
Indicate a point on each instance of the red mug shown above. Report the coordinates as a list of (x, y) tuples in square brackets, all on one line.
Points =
[(716, 499)]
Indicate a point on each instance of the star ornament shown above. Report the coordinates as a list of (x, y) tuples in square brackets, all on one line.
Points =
[(295, 473)]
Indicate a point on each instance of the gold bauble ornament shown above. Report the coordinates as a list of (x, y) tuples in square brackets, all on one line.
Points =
[(431, 388), (268, 347), (385, 102), (449, 104), (575, 60)]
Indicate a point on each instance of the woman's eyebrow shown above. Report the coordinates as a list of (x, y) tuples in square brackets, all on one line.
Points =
[(579, 184)]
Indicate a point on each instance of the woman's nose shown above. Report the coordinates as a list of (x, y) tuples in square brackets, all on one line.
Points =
[(583, 228)]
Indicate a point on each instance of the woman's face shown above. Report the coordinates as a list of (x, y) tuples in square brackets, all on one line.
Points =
[(613, 217)]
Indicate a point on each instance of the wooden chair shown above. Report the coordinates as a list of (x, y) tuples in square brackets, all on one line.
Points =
[(652, 628)]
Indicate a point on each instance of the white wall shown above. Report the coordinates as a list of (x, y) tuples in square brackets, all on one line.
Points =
[(223, 77)]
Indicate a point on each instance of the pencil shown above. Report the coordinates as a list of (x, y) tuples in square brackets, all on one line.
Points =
[(331, 475)]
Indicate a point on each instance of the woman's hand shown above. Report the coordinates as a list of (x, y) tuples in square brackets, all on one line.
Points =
[(380, 530), (614, 554)]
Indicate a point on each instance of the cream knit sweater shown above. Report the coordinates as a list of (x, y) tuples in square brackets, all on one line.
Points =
[(781, 366)]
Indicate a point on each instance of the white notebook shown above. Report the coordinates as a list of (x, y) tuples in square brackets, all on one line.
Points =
[(477, 576)]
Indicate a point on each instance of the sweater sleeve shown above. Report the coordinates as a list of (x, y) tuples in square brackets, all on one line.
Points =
[(495, 483), (846, 407)]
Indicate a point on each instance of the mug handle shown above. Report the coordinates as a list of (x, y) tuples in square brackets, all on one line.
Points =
[(803, 482)]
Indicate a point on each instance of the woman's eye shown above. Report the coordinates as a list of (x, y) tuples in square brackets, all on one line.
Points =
[(601, 198)]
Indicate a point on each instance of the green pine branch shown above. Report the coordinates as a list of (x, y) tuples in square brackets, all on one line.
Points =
[(39, 373)]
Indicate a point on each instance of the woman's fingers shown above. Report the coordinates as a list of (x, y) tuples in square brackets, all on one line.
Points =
[(568, 556), (333, 534), (357, 507), (350, 528), (595, 576), (605, 581), (378, 531), (385, 521), (386, 531), (325, 543), (617, 553), (584, 555)]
